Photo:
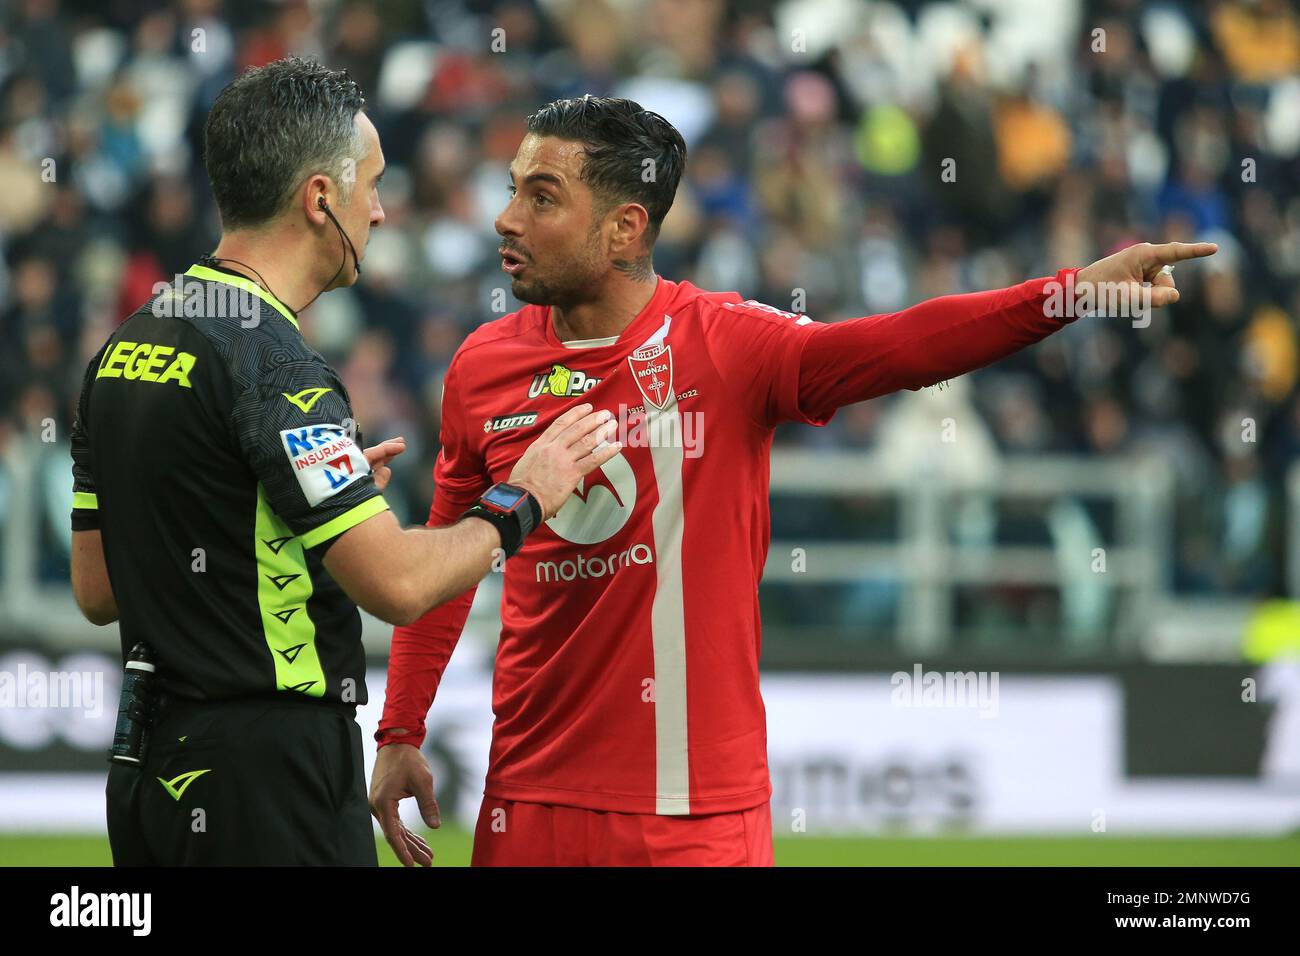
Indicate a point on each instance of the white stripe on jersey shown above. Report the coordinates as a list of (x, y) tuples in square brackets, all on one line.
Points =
[(668, 619)]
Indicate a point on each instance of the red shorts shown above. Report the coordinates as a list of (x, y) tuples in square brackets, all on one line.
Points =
[(510, 833)]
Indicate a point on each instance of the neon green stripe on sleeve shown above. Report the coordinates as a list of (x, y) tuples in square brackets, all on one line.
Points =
[(344, 522), (85, 501)]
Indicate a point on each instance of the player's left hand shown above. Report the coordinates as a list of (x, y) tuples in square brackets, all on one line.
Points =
[(1145, 262), (380, 455), (401, 771)]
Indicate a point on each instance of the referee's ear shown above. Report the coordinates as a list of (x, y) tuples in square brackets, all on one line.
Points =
[(316, 198)]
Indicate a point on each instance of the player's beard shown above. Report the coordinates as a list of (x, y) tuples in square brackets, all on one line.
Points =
[(576, 284)]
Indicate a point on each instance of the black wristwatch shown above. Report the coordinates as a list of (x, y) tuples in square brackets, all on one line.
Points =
[(514, 512)]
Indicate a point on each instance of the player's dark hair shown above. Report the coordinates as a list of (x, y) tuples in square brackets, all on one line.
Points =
[(619, 138), (274, 126)]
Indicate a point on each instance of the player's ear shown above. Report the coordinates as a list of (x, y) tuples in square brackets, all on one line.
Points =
[(630, 222)]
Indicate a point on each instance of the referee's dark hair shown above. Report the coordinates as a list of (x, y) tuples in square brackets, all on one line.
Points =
[(272, 128), (619, 137)]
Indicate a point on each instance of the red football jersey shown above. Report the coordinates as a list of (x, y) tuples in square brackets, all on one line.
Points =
[(626, 677)]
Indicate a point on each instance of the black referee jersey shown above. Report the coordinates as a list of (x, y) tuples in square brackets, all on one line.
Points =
[(217, 453)]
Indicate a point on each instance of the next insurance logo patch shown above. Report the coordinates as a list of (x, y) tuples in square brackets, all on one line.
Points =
[(325, 460)]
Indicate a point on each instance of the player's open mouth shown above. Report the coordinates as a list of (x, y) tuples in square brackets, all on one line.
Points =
[(511, 263)]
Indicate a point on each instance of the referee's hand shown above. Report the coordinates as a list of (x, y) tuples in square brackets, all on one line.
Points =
[(400, 772), (576, 444), (380, 455)]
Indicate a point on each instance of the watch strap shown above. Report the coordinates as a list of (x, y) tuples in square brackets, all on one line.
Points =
[(514, 525)]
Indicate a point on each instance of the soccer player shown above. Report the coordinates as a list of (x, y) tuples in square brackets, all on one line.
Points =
[(629, 726), (224, 509)]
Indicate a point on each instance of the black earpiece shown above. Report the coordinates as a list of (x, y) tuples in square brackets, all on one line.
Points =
[(324, 206)]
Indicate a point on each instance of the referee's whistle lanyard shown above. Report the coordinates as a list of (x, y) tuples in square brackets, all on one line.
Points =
[(347, 247)]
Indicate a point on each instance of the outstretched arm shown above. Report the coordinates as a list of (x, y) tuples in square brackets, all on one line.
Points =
[(942, 338)]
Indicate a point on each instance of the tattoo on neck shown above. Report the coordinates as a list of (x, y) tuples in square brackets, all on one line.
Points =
[(638, 269)]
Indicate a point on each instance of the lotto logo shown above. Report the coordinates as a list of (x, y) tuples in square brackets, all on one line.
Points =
[(503, 423)]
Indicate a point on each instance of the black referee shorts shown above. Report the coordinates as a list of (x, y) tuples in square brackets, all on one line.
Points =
[(252, 782)]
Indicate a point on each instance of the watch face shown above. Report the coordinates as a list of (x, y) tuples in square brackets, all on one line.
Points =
[(504, 498)]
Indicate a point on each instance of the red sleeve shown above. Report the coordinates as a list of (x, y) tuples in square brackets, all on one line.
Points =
[(852, 361), (755, 349), (782, 367), (420, 651)]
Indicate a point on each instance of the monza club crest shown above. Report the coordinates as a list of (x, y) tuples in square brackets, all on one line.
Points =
[(652, 367)]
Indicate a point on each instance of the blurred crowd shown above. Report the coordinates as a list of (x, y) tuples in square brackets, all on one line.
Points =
[(820, 133)]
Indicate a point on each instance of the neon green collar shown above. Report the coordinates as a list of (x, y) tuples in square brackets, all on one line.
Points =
[(248, 285)]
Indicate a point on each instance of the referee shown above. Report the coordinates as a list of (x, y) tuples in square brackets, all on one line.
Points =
[(226, 515)]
